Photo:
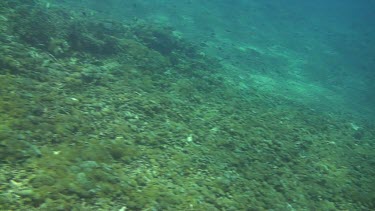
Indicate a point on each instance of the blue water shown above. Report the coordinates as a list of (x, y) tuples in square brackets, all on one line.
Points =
[(317, 53), (187, 105), (326, 45)]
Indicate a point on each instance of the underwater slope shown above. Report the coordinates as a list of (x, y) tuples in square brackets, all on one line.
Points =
[(101, 115), (323, 48)]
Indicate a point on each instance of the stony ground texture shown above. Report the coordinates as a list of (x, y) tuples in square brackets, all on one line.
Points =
[(104, 115)]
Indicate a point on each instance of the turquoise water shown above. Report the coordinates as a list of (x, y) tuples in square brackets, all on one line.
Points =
[(187, 105), (324, 50)]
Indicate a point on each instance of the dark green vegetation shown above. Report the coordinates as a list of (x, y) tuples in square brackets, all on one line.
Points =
[(102, 115)]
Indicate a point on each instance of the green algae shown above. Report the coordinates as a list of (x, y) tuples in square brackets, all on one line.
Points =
[(129, 115)]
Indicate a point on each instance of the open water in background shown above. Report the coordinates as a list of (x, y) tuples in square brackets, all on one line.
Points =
[(320, 53)]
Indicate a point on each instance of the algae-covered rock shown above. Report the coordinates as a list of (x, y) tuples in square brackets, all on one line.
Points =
[(14, 148), (98, 114)]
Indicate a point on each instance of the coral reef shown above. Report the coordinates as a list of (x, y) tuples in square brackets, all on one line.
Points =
[(103, 115)]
